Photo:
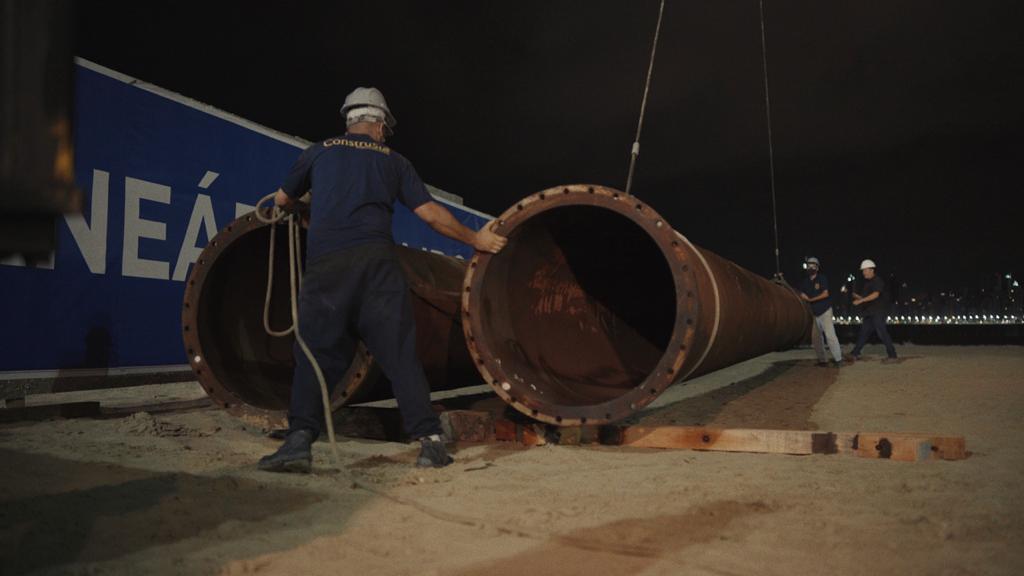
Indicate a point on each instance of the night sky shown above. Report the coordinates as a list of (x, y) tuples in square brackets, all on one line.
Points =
[(897, 125)]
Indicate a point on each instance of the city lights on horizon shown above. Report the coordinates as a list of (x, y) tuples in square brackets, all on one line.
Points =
[(968, 319), (1000, 305)]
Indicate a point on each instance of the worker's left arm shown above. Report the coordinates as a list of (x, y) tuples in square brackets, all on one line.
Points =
[(441, 220), (413, 193), (822, 296)]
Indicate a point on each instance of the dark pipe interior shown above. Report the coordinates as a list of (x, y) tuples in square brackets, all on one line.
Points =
[(254, 365), (579, 306)]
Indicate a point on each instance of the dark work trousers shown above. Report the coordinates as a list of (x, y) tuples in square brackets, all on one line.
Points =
[(348, 295), (876, 324)]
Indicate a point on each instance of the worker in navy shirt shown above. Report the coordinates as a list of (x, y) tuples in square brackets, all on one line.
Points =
[(874, 309), (814, 290), (354, 288)]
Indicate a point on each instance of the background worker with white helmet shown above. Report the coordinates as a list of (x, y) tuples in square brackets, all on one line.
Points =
[(814, 290), (354, 288), (873, 311)]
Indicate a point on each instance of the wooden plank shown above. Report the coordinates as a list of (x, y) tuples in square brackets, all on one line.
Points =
[(725, 439), (468, 425), (50, 412), (901, 446), (909, 446), (157, 407), (576, 435), (504, 430), (527, 434), (87, 379), (846, 443)]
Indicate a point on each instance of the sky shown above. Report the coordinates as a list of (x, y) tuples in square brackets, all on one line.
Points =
[(897, 125)]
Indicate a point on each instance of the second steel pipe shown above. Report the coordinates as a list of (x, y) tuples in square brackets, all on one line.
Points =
[(249, 372), (597, 305)]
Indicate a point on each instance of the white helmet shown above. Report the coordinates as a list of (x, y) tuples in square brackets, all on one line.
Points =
[(867, 264), (367, 105)]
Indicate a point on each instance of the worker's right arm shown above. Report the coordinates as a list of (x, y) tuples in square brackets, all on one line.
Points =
[(298, 180), (441, 220)]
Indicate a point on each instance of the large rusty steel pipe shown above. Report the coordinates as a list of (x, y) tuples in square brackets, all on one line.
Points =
[(597, 305), (249, 372)]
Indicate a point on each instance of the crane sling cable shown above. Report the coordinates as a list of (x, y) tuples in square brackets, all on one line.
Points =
[(771, 145), (635, 152)]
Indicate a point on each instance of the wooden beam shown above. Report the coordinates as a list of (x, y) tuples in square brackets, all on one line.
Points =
[(50, 412), (527, 434), (175, 406), (909, 447), (902, 446), (722, 439), (468, 425)]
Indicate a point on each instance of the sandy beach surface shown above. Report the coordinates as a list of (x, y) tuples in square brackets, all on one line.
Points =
[(179, 493)]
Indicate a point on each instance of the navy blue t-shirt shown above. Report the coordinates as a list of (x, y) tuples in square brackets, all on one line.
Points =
[(815, 287), (878, 306), (355, 182)]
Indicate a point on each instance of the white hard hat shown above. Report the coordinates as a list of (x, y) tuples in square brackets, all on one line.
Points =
[(813, 260), (867, 264), (367, 104)]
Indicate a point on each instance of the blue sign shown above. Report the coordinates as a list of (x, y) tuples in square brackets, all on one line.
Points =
[(160, 175)]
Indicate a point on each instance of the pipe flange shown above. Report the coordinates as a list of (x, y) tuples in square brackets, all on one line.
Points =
[(681, 263), (362, 370)]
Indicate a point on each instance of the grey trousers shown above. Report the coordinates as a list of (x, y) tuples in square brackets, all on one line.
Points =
[(822, 330)]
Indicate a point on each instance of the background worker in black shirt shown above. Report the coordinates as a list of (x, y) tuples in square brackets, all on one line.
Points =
[(873, 310)]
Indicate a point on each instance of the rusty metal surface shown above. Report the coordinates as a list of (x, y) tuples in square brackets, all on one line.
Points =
[(248, 372), (597, 305)]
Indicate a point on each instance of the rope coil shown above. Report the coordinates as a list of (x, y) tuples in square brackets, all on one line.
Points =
[(273, 217)]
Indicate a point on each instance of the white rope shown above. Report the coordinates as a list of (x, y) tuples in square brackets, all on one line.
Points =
[(270, 286), (275, 215), (635, 152)]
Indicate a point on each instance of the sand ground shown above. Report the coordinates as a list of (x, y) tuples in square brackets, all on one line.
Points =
[(178, 493)]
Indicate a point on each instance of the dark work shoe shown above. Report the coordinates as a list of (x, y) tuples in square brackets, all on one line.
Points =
[(821, 364), (433, 454), (294, 455), (278, 433)]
